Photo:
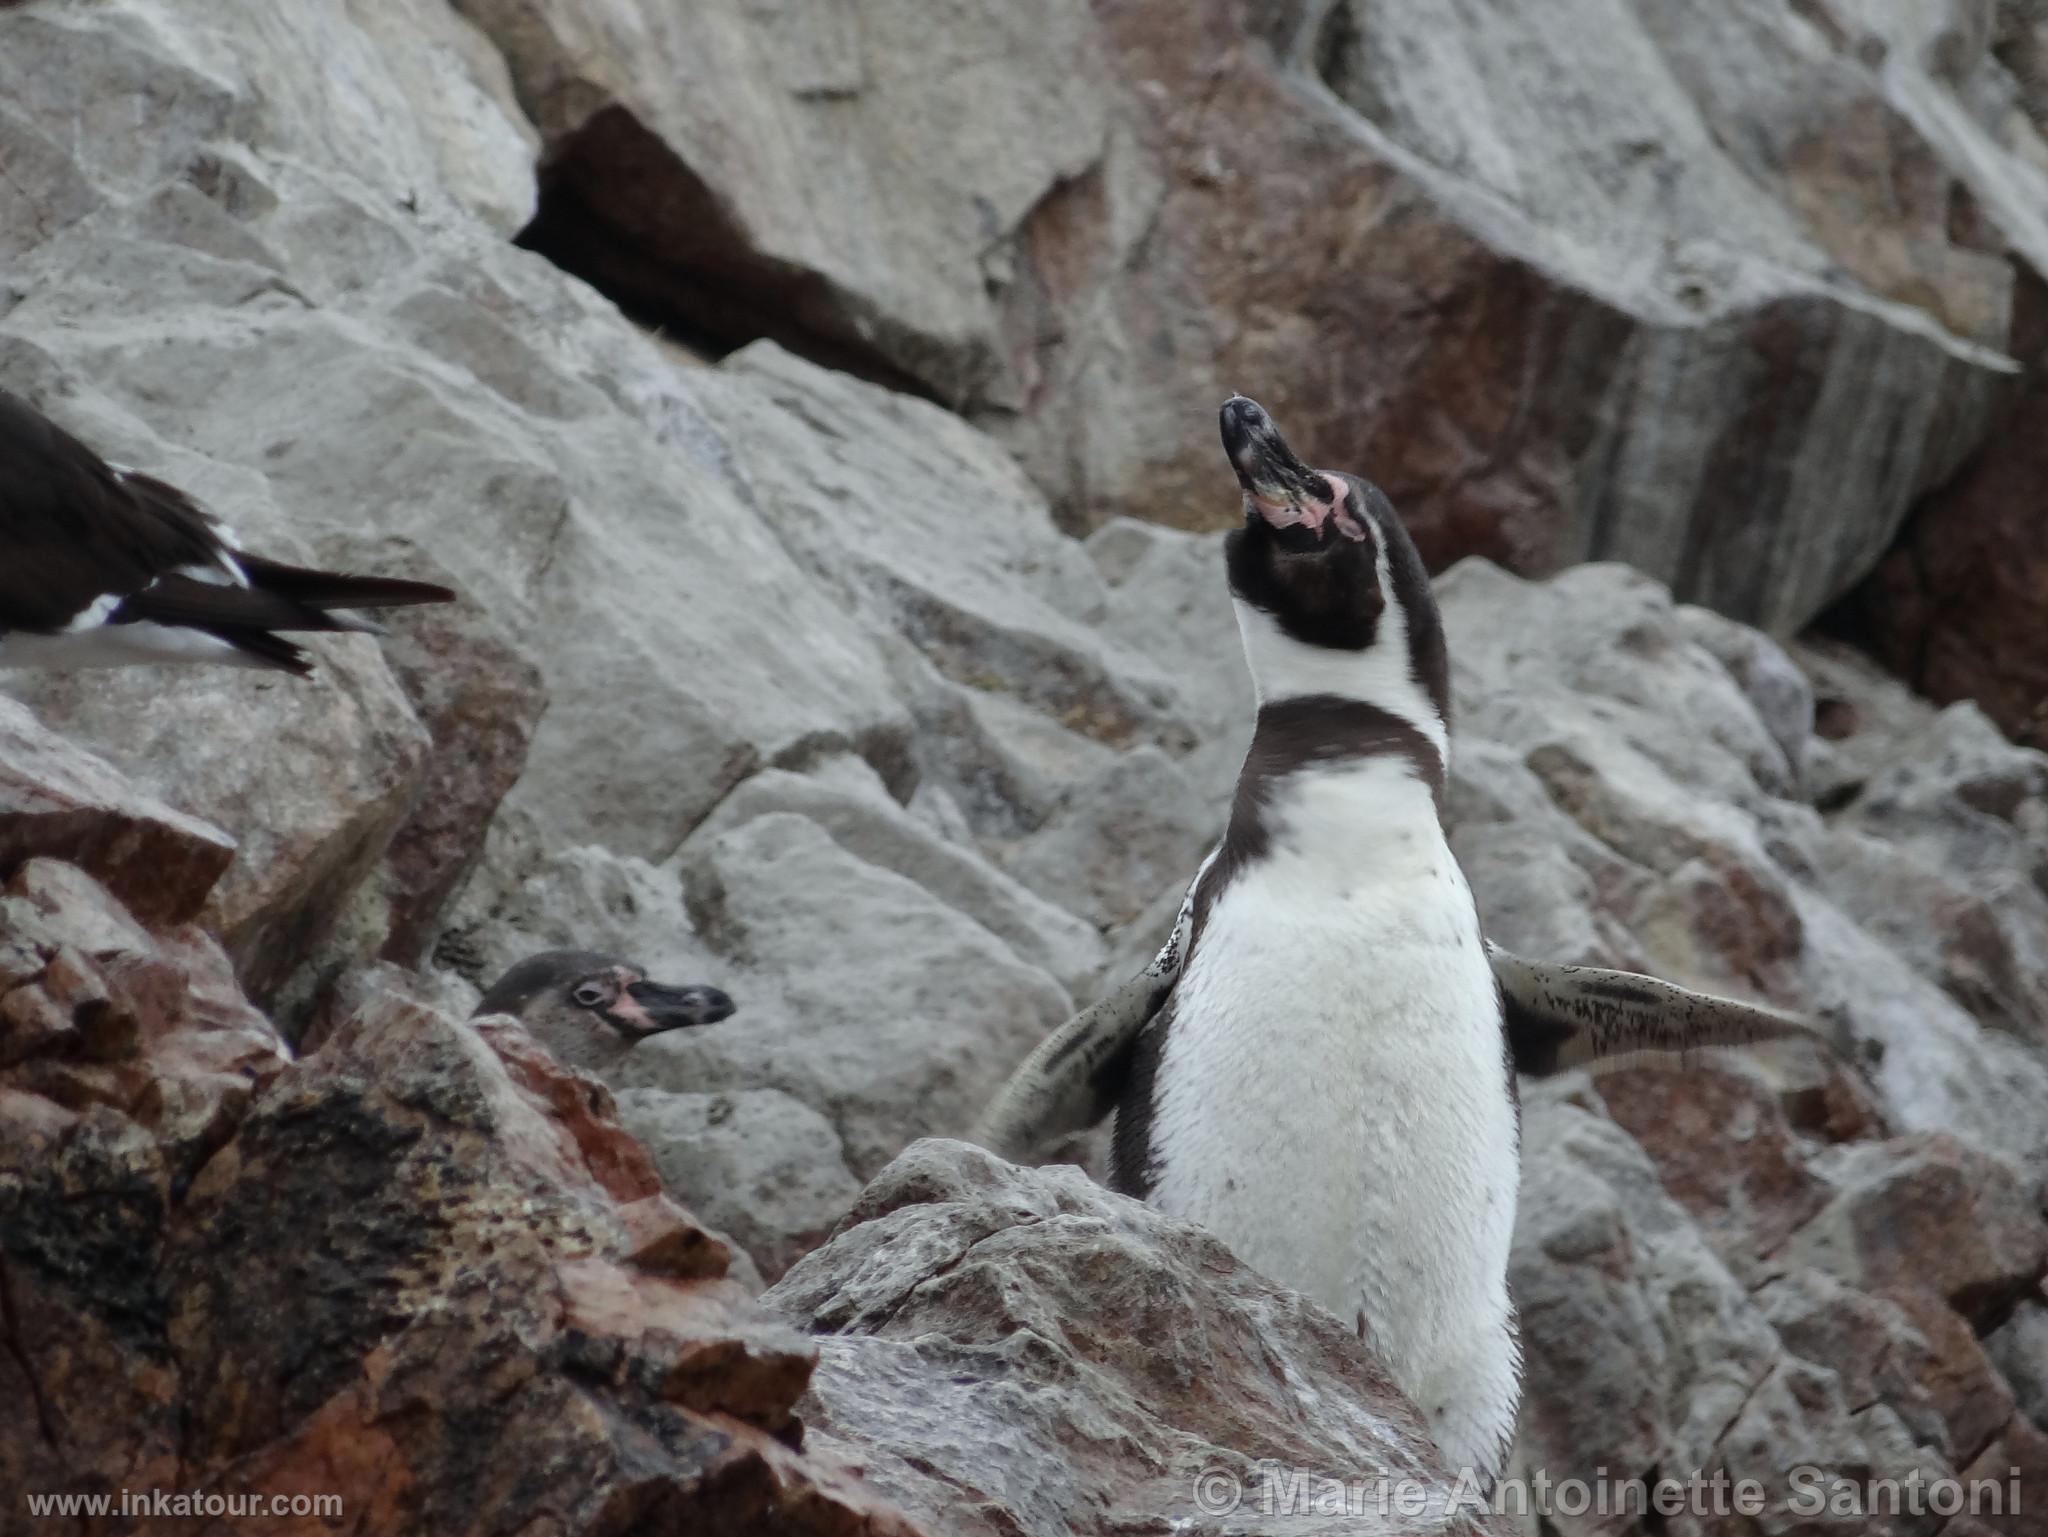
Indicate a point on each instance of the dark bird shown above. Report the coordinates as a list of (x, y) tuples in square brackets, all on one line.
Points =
[(589, 1010), (102, 566)]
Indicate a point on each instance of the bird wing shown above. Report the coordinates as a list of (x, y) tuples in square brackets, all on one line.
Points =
[(1562, 1017), (1077, 1074), (180, 600), (75, 530), (338, 589)]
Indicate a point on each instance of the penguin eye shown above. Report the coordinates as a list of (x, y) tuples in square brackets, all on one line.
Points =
[(588, 995)]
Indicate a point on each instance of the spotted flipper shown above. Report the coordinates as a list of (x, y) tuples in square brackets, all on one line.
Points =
[(1562, 1017)]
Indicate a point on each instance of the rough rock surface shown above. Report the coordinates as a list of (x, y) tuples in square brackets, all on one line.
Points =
[(1781, 1259), (423, 1270), (58, 800), (999, 1347), (1960, 608), (1718, 292)]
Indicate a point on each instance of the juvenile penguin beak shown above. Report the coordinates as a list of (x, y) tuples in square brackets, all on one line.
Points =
[(1278, 487), (670, 1008)]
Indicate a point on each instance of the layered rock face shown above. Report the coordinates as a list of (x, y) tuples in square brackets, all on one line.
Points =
[(780, 678), (1716, 291)]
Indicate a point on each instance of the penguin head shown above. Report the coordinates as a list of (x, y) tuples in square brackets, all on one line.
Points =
[(589, 1009), (1331, 596), (1307, 552)]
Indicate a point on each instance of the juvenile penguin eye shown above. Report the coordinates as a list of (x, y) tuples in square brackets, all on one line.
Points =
[(588, 995)]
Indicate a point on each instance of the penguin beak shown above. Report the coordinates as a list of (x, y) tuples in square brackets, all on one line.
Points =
[(1279, 490), (650, 1008)]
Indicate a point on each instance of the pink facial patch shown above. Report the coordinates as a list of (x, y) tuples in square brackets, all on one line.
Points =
[(1347, 525), (625, 1008), (1312, 513)]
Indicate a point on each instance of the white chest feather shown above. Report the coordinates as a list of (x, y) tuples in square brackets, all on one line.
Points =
[(1332, 1100)]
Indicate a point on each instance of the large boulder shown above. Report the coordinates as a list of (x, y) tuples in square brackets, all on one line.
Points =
[(1717, 292), (1020, 1351)]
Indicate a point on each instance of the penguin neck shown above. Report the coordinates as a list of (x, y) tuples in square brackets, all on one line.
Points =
[(1376, 685), (576, 1040)]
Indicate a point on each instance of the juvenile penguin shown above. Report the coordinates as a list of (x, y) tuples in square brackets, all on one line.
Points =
[(589, 1010), (1317, 1066), (102, 566)]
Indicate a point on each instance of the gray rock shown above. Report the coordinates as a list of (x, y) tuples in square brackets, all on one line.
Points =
[(895, 165), (479, 696), (2019, 1346), (1168, 602), (1868, 1341), (1945, 846), (1662, 299), (1773, 683), (59, 802), (1002, 764), (568, 899), (1602, 1253), (1643, 1353), (1929, 1214), (1119, 840), (1620, 796), (1020, 1351), (763, 1169), (859, 992), (850, 802)]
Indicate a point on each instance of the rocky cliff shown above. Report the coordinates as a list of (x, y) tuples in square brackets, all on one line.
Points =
[(787, 672)]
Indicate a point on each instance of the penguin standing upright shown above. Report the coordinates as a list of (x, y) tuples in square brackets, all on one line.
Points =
[(1326, 1088), (1318, 1066)]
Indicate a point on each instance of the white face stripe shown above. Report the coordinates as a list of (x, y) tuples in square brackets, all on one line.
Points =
[(1285, 668)]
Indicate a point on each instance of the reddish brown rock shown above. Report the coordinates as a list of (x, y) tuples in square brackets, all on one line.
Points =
[(99, 1013), (1973, 1399), (1959, 608), (2014, 1467), (1723, 1150), (480, 698), (310, 777), (1833, 1104), (1925, 1212), (423, 1270), (61, 802), (1869, 1342)]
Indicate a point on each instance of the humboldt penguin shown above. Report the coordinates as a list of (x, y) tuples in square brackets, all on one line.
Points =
[(1318, 1066), (102, 566), (589, 1010)]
